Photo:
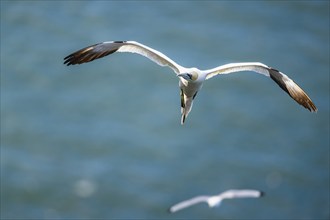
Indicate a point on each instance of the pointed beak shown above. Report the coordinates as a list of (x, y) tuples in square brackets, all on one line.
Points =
[(185, 76)]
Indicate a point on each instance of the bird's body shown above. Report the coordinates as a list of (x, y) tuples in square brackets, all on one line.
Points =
[(216, 200), (189, 90), (190, 79)]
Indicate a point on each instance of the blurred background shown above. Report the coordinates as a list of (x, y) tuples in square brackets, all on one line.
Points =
[(104, 140)]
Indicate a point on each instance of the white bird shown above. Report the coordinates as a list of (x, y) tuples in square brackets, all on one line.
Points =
[(190, 79), (216, 200)]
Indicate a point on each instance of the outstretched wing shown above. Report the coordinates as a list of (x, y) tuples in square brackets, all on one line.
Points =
[(281, 79), (99, 50), (187, 203), (242, 193)]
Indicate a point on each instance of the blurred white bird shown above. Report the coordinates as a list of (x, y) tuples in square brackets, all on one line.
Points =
[(190, 79), (216, 200)]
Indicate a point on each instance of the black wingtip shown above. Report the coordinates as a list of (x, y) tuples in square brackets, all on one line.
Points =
[(262, 193), (273, 69), (292, 89), (89, 54), (67, 60), (120, 41), (277, 76)]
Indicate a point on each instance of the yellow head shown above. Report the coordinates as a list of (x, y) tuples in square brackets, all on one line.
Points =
[(191, 76)]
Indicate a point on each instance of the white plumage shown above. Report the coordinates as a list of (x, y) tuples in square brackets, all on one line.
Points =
[(216, 200), (190, 79)]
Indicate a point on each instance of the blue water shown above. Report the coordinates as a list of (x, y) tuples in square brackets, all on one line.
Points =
[(104, 140)]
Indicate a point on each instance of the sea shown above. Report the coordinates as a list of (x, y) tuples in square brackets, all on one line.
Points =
[(103, 140)]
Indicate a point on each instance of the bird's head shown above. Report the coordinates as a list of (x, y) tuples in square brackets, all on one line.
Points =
[(192, 76)]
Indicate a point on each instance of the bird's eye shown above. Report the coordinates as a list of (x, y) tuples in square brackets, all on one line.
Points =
[(189, 75)]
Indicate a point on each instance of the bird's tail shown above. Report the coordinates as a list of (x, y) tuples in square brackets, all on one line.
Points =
[(186, 105)]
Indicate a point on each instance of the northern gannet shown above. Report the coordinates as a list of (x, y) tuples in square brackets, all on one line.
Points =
[(216, 200), (190, 79)]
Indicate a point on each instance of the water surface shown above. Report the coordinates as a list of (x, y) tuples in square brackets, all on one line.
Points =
[(104, 140)]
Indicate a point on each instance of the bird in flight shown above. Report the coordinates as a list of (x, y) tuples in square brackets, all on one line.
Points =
[(190, 79), (216, 200)]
